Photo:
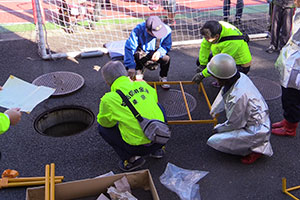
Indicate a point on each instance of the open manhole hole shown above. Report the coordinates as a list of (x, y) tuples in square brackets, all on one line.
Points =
[(270, 90), (63, 82), (64, 121), (173, 102)]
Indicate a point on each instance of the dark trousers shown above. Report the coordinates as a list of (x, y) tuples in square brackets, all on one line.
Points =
[(164, 63), (281, 25), (239, 8), (244, 70), (271, 4), (125, 151), (291, 104)]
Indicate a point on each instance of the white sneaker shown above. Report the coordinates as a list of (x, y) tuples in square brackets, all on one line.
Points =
[(139, 72), (164, 86), (139, 75)]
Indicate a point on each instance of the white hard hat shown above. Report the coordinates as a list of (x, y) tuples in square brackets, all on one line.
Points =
[(222, 66)]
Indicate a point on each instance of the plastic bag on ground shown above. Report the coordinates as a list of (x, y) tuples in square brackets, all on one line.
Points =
[(182, 181)]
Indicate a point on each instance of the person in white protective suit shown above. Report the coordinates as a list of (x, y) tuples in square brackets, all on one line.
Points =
[(288, 64), (246, 132)]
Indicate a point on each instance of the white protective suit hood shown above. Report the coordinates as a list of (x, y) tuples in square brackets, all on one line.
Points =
[(247, 128)]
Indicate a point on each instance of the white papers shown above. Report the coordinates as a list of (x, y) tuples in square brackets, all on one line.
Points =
[(111, 173), (102, 197), (17, 93)]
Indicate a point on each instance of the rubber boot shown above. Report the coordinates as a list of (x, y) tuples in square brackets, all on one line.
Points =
[(289, 129), (251, 158), (279, 124)]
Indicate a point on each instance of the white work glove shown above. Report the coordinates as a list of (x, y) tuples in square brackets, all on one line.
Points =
[(156, 56)]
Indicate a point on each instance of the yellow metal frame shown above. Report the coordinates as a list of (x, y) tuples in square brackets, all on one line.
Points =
[(286, 190), (200, 89)]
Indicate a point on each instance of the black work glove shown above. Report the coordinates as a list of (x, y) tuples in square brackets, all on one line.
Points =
[(198, 78), (200, 68)]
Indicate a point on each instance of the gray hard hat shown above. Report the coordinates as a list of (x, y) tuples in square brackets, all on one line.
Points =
[(222, 66)]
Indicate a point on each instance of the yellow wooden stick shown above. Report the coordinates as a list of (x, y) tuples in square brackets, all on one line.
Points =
[(24, 179), (28, 183), (47, 173), (52, 182)]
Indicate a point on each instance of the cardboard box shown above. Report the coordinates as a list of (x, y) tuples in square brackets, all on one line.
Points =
[(95, 186)]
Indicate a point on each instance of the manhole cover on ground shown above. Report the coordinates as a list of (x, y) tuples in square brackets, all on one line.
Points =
[(173, 102), (64, 82), (64, 121), (270, 90)]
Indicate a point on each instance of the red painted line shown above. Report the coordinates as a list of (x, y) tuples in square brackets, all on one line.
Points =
[(15, 6), (22, 17), (21, 11)]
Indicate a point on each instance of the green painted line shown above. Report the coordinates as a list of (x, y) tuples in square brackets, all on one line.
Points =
[(7, 28)]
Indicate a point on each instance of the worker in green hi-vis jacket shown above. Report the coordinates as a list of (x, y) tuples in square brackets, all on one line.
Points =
[(9, 117), (215, 41), (118, 126)]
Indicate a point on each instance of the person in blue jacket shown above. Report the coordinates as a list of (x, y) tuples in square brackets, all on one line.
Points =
[(153, 38)]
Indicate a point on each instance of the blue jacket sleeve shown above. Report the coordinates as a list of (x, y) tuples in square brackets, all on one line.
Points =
[(130, 47)]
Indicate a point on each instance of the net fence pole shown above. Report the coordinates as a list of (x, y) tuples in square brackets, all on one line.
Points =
[(40, 31)]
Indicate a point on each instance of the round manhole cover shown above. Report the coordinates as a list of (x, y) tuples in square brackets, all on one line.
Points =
[(64, 82), (64, 121), (270, 90), (173, 102)]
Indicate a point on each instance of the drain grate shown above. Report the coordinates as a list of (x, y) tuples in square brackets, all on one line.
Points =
[(270, 90), (64, 82), (173, 102)]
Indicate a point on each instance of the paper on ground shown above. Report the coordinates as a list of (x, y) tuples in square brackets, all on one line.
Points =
[(17, 93)]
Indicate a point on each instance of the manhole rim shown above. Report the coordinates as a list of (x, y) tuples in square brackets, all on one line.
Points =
[(61, 72), (187, 95), (64, 107), (267, 97)]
